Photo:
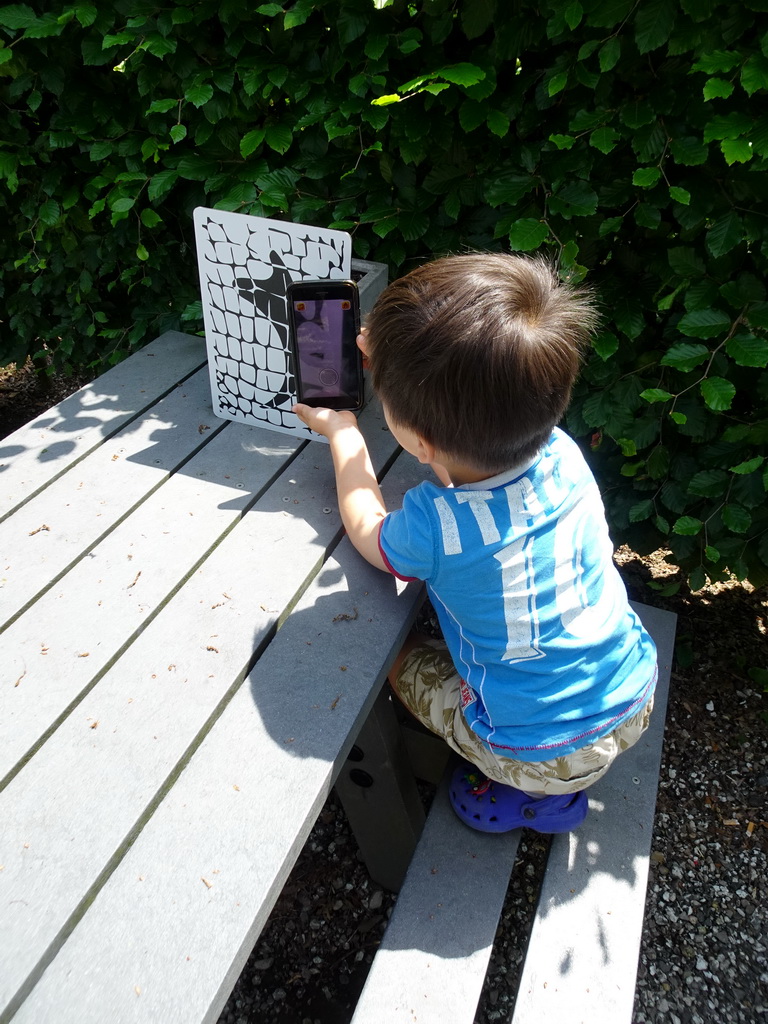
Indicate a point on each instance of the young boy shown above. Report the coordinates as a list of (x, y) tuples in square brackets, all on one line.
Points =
[(546, 673)]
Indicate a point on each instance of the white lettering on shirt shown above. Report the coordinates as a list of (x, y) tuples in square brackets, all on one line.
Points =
[(448, 527), (519, 589), (477, 501), (582, 614)]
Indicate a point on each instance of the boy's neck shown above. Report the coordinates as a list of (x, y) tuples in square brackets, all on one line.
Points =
[(461, 473)]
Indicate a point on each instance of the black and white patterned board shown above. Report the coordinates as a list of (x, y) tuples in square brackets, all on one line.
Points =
[(245, 265)]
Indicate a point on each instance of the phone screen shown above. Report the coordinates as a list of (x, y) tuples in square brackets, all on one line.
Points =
[(324, 323)]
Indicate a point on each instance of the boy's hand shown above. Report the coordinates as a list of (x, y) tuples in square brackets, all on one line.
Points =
[(324, 421)]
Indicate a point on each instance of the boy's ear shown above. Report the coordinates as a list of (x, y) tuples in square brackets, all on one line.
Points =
[(362, 340), (362, 344), (426, 452)]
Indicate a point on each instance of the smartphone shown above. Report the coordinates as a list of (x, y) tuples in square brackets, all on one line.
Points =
[(324, 322)]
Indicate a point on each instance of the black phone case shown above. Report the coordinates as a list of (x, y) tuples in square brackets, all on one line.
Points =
[(315, 291)]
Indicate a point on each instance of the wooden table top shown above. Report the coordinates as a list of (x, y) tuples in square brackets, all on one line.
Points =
[(188, 647)]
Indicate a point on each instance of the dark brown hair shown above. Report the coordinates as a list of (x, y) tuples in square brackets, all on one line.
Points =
[(477, 354)]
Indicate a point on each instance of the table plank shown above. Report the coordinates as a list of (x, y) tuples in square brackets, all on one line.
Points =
[(54, 658), (48, 535), (57, 439), (200, 880), (73, 813)]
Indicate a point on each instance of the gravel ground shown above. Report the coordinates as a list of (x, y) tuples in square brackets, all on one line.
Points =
[(703, 954)]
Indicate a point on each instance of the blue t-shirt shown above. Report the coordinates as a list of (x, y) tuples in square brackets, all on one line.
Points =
[(520, 571)]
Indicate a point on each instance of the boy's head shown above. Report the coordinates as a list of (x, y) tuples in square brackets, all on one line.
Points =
[(477, 354)]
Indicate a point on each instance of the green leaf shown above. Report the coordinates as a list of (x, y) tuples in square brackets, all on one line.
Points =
[(646, 177), (575, 199), (386, 101), (605, 344), (462, 74), (754, 74), (178, 132), (679, 418), (161, 184), (637, 113), (604, 139), (49, 212), (375, 46), (658, 462), (680, 195), (17, 16), (687, 526), (728, 126), (471, 115), (527, 234), (573, 14), (697, 578), (278, 137), (712, 554), (476, 17), (610, 226), (725, 234), (498, 123), (150, 218), (142, 252), (101, 150), (686, 262), (709, 483), (757, 315), (685, 356), (718, 393), (162, 106), (86, 14), (703, 323), (736, 151), (198, 94), (557, 83), (609, 54), (628, 447), (688, 151), (653, 24), (251, 141), (718, 61), (748, 350), (628, 317), (642, 510), (562, 141), (509, 188), (655, 395), (749, 466), (122, 205), (736, 518), (717, 88)]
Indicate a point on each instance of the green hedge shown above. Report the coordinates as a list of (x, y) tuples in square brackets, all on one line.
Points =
[(626, 138)]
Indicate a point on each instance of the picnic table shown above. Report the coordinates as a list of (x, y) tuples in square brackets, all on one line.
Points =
[(190, 648), (192, 656)]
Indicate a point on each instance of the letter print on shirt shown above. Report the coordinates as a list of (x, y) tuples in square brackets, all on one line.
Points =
[(478, 503), (584, 613), (519, 593), (448, 527)]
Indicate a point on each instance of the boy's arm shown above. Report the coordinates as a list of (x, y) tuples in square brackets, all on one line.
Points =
[(360, 502)]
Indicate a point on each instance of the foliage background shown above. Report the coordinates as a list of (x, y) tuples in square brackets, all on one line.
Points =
[(627, 139)]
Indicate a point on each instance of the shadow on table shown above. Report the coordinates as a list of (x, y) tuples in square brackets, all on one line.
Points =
[(313, 688)]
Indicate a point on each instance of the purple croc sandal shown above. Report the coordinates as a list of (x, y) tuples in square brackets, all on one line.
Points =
[(490, 807)]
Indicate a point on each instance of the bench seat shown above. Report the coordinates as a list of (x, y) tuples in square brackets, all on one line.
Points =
[(582, 956)]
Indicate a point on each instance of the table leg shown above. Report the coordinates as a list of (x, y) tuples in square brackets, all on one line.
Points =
[(378, 792)]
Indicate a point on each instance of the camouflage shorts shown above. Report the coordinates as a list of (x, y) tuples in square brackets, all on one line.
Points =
[(428, 684)]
